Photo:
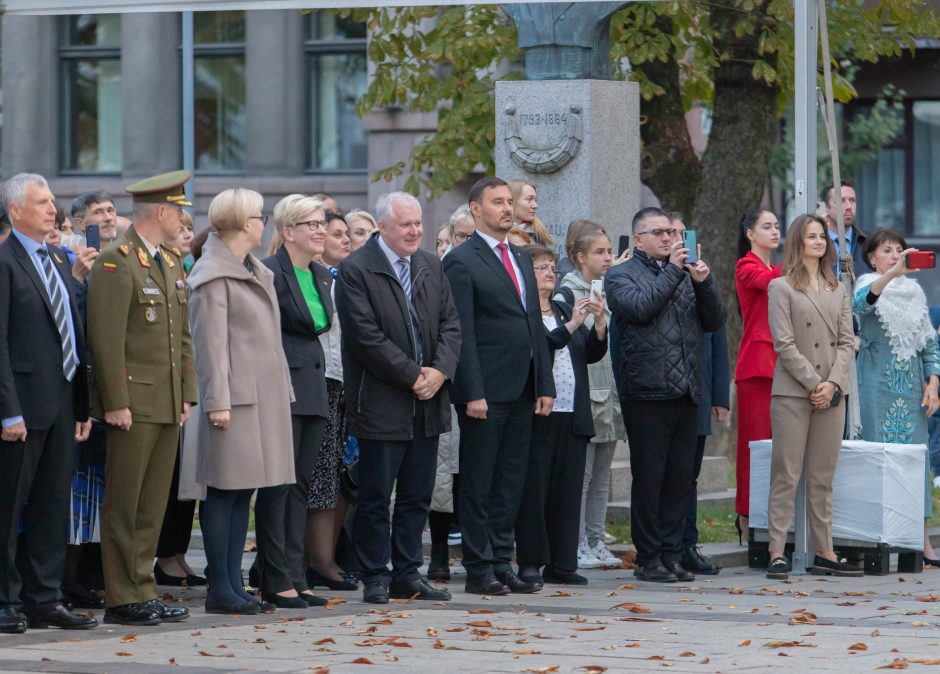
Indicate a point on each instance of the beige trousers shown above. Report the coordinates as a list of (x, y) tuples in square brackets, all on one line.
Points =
[(798, 431)]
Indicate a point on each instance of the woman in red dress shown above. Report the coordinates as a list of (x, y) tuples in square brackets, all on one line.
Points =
[(758, 237)]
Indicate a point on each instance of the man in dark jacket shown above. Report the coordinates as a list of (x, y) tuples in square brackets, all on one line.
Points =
[(662, 306), (401, 341), (854, 237)]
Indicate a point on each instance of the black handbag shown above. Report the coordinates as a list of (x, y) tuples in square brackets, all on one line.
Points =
[(349, 482)]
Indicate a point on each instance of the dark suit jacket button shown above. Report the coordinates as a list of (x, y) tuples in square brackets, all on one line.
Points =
[(832, 343), (317, 366), (816, 345), (817, 367), (809, 325)]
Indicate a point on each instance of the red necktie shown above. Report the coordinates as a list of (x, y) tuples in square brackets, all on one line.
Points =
[(504, 254)]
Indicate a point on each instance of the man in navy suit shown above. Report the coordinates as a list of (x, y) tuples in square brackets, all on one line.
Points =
[(43, 408), (504, 376)]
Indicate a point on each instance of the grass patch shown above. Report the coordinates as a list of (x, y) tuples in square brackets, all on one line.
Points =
[(715, 525)]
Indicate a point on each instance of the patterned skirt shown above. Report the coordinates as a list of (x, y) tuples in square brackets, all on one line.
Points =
[(87, 497), (324, 484)]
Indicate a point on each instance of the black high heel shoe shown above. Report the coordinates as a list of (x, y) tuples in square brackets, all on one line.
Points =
[(737, 526), (315, 578), (163, 578)]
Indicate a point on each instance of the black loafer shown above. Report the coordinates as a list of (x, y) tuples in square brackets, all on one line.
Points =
[(935, 563), (136, 615), (11, 622), (779, 568), (60, 617), (285, 602), (80, 597), (313, 600), (417, 589), (314, 578), (694, 561), (245, 608), (163, 578), (516, 585), (375, 593), (436, 572), (266, 607), (489, 586), (167, 614), (556, 577), (840, 567), (654, 572), (676, 569)]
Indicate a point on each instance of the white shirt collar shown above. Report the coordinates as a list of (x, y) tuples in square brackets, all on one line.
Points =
[(150, 247), (491, 241), (392, 256)]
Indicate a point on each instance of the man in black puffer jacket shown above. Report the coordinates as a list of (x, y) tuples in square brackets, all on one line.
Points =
[(662, 306)]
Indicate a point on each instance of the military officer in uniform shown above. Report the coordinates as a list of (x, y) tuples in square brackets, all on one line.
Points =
[(138, 331)]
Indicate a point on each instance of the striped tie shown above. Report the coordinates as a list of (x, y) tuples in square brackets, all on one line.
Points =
[(59, 307), (404, 275)]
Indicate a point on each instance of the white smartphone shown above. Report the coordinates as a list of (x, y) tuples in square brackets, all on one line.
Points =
[(597, 286)]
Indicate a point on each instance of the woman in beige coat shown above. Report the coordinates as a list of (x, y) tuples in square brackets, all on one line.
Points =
[(810, 319), (245, 392)]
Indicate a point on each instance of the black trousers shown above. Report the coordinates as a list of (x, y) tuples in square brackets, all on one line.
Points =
[(690, 530), (494, 453), (35, 479), (409, 467), (281, 513), (177, 526), (548, 520), (662, 456)]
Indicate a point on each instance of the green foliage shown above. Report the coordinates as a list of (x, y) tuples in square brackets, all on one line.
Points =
[(450, 67)]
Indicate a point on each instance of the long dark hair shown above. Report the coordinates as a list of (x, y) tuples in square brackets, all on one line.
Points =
[(748, 220)]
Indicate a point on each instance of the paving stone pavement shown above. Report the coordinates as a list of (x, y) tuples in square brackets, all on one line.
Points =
[(737, 621)]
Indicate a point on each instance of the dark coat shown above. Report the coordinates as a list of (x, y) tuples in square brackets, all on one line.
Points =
[(31, 376), (661, 315), (300, 338), (716, 384), (501, 340), (584, 347), (379, 369)]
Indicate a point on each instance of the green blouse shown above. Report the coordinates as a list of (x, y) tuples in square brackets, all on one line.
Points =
[(312, 297)]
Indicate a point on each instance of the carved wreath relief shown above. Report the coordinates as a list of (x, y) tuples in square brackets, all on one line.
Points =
[(543, 141)]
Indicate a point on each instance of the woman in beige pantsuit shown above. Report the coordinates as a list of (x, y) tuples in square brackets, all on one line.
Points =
[(810, 319)]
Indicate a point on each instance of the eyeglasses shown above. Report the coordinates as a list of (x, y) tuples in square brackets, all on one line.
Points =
[(545, 269), (658, 232), (460, 238), (312, 225), (262, 218)]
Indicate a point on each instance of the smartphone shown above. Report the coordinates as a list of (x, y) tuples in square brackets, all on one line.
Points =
[(597, 287), (93, 237), (689, 241), (922, 259), (623, 245)]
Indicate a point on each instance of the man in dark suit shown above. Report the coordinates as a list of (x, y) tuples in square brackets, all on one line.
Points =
[(401, 340), (505, 374), (43, 407)]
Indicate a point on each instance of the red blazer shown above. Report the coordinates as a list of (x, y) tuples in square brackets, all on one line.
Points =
[(756, 357)]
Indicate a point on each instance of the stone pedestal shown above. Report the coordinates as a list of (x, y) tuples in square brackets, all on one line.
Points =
[(578, 142)]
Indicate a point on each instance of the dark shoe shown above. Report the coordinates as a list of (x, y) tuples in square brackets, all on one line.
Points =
[(737, 526), (61, 617), (11, 622), (676, 569), (532, 578), (375, 593), (266, 607), (163, 578), (516, 585), (315, 578), (285, 602), (80, 597), (167, 614), (556, 577), (245, 608), (438, 573), (693, 560), (254, 577), (486, 585), (654, 572), (779, 569), (195, 581), (417, 589), (932, 562), (840, 567), (137, 615), (312, 599)]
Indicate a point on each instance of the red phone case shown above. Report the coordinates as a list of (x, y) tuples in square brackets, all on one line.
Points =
[(922, 259)]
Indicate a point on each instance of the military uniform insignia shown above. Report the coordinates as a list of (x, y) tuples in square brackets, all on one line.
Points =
[(124, 249), (151, 315), (57, 258), (180, 284), (142, 258), (168, 259), (108, 267), (148, 281)]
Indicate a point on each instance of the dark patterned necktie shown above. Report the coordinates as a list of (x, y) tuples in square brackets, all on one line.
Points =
[(59, 307)]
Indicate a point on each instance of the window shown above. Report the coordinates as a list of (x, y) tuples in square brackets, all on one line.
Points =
[(335, 52), (900, 188), (219, 81), (90, 53)]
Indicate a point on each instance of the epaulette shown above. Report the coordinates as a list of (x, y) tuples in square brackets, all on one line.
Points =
[(125, 249), (173, 249)]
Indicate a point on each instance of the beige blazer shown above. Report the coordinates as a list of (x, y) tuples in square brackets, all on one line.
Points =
[(813, 337)]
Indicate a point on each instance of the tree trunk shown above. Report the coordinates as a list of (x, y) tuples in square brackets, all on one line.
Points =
[(735, 164)]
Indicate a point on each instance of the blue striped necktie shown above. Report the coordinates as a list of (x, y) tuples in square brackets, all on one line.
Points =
[(404, 275), (59, 307)]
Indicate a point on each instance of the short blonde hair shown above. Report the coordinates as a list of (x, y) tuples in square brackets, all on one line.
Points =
[(231, 208), (188, 220), (292, 208), (359, 214)]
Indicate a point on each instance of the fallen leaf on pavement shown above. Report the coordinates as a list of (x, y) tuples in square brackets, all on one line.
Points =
[(128, 638), (875, 633), (746, 642), (897, 663), (686, 654), (318, 669), (858, 647), (527, 652), (123, 653), (632, 607), (431, 632), (326, 640), (805, 618), (361, 661), (480, 623), (481, 610), (589, 629), (736, 590), (788, 644), (542, 670), (593, 669), (559, 593)]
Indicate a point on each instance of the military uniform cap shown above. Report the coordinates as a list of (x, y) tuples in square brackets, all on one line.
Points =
[(161, 189)]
